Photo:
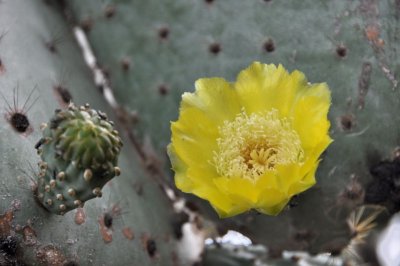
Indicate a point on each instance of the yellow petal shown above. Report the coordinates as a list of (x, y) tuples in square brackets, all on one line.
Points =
[(268, 180), (288, 175), (215, 97), (194, 134), (194, 142), (240, 189), (189, 178), (180, 169), (224, 206), (310, 115), (271, 202), (263, 87), (304, 182)]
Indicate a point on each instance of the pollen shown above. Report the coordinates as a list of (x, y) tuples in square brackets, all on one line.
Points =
[(251, 145)]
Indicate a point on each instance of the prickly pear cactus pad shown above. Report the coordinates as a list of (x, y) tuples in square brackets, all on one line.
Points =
[(128, 225), (164, 46), (79, 152), (250, 144)]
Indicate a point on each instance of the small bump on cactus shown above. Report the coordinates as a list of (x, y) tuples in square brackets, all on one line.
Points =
[(79, 152)]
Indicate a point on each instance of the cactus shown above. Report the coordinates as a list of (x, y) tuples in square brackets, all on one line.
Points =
[(79, 151), (163, 47), (39, 57)]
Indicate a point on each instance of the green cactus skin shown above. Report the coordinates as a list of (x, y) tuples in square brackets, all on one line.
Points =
[(351, 45), (78, 237), (79, 152)]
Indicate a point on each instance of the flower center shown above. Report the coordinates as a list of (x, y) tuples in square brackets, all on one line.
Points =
[(252, 144)]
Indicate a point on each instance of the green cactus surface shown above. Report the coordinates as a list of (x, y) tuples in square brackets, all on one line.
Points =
[(151, 52), (154, 51), (42, 69), (79, 151)]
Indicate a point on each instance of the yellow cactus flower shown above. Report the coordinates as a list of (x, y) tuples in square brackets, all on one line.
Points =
[(252, 144)]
